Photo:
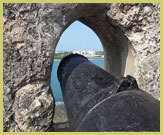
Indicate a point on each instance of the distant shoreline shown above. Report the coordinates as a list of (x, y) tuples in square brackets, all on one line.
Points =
[(57, 59), (89, 58)]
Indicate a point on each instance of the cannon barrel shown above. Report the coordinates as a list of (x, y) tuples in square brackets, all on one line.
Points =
[(97, 101)]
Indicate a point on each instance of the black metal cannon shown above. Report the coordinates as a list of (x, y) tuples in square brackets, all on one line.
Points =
[(97, 101)]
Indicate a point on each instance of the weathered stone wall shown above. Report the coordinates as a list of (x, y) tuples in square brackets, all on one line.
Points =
[(130, 34), (141, 25)]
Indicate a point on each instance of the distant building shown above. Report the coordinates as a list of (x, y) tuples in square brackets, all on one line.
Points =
[(86, 53), (58, 52)]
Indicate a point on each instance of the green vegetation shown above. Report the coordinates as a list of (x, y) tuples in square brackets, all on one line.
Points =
[(60, 55), (100, 53)]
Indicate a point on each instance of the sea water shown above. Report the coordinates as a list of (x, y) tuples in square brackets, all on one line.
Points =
[(55, 86)]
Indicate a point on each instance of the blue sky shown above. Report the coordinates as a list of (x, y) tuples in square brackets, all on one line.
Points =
[(79, 37)]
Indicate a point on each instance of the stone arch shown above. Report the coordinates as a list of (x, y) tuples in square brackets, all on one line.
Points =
[(31, 33), (115, 44)]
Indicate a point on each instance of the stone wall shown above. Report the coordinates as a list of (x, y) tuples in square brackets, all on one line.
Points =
[(130, 35), (141, 25)]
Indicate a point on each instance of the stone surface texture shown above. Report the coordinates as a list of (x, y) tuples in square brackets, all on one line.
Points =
[(130, 35), (141, 24)]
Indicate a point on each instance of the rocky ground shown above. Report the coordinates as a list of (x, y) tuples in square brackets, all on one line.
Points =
[(60, 115), (60, 120)]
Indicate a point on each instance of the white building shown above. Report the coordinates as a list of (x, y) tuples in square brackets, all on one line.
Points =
[(85, 53)]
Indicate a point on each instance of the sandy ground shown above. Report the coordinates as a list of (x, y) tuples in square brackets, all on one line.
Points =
[(60, 114)]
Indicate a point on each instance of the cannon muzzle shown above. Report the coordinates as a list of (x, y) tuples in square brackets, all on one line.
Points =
[(97, 101)]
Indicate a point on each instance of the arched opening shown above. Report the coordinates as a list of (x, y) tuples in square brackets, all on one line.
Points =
[(118, 55), (77, 38)]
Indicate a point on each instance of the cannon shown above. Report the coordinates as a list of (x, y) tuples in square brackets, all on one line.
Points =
[(96, 101)]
